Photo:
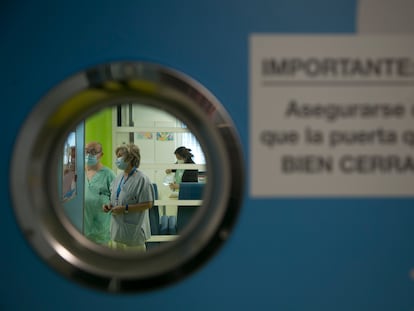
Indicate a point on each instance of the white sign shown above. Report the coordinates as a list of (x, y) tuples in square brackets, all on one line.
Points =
[(331, 115)]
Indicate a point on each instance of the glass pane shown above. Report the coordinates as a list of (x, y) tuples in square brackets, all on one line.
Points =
[(69, 168), (170, 174)]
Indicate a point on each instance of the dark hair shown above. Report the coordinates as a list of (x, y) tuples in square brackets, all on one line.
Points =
[(185, 153)]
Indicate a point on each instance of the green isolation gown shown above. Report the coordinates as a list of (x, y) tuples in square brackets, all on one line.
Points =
[(97, 193)]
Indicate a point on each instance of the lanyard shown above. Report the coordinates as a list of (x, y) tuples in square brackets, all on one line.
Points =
[(118, 191)]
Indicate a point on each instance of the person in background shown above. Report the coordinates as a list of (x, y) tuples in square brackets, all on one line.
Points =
[(131, 197), (98, 179), (183, 155), (184, 213)]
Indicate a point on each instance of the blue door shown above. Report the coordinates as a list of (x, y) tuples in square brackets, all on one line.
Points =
[(284, 254)]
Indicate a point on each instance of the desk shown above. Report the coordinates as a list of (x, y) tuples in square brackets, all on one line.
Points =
[(174, 212), (176, 202), (162, 238)]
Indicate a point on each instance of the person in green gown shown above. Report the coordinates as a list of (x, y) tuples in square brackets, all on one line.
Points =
[(98, 180)]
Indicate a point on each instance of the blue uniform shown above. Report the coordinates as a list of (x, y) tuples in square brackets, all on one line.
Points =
[(131, 229)]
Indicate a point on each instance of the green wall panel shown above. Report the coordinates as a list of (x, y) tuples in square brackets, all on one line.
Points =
[(99, 128)]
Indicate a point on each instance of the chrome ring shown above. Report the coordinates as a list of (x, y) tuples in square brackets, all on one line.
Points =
[(34, 170)]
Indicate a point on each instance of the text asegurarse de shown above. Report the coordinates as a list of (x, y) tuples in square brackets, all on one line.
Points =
[(388, 141)]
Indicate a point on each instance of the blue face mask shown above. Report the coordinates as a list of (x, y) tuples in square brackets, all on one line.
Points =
[(91, 160), (121, 164)]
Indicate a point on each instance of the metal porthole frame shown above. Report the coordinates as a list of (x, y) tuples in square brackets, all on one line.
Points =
[(33, 181)]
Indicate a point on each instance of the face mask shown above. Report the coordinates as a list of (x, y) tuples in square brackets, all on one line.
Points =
[(180, 161), (121, 164), (91, 160)]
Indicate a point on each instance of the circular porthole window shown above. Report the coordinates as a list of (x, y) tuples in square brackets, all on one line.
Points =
[(170, 191)]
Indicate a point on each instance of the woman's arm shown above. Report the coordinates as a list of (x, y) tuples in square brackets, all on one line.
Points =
[(131, 208)]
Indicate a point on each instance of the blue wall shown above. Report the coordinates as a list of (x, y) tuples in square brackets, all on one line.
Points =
[(284, 254)]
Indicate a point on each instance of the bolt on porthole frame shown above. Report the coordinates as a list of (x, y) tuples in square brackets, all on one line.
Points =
[(34, 169)]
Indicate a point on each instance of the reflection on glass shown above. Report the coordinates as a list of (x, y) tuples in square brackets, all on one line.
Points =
[(177, 177), (69, 168)]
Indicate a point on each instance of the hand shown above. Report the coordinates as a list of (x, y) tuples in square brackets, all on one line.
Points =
[(174, 186), (107, 208), (117, 210)]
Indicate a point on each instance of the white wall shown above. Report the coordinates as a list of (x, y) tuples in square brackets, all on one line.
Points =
[(156, 154)]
